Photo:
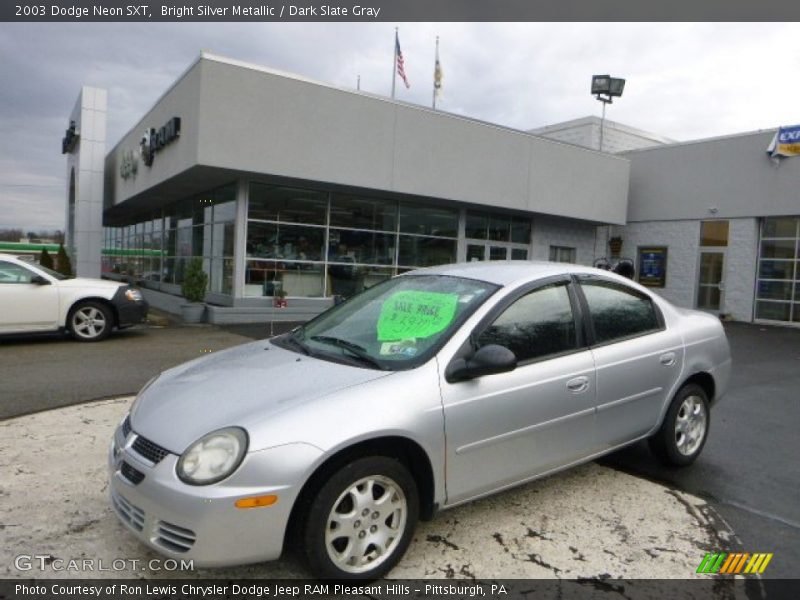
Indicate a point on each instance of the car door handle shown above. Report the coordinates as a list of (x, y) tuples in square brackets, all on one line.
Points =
[(578, 385), (667, 359)]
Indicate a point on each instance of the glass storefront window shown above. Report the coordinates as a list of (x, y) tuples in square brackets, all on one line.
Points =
[(780, 227), (499, 228), (421, 251), (778, 284), (776, 269), (775, 290), (477, 225), (289, 205), (714, 233), (367, 247), (521, 231), (773, 311), (184, 242), (563, 254), (778, 249), (289, 242), (428, 220), (222, 239), (349, 279), (363, 213), (265, 278)]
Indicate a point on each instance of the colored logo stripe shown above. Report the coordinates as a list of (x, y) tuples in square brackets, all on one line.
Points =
[(731, 564)]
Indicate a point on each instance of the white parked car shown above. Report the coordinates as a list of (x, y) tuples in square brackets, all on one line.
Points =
[(34, 298)]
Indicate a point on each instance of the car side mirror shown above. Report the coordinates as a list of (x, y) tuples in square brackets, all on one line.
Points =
[(39, 280), (488, 360)]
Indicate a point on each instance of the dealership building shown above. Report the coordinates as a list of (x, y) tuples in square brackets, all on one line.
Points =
[(283, 186)]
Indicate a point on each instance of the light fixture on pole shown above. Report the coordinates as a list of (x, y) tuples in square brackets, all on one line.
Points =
[(605, 88)]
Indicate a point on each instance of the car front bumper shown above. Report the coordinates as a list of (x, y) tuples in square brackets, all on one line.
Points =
[(129, 312), (202, 523)]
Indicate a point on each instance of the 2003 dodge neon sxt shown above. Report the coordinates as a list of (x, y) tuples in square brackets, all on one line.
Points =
[(423, 392)]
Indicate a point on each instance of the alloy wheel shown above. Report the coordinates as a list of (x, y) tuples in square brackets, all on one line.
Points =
[(690, 425), (366, 524)]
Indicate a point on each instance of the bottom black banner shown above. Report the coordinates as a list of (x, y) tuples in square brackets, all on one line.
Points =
[(717, 587)]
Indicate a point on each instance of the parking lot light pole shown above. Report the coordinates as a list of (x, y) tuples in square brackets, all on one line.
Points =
[(605, 88)]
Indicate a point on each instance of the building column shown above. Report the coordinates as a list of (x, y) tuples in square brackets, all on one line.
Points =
[(85, 170), (240, 240)]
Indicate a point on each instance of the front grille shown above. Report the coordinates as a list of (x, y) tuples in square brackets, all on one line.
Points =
[(126, 426), (133, 475), (172, 537), (152, 452), (127, 512)]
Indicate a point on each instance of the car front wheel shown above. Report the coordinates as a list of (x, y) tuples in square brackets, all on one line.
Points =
[(90, 322), (683, 433), (362, 520)]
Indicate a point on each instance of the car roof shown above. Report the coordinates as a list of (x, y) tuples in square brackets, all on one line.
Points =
[(505, 272)]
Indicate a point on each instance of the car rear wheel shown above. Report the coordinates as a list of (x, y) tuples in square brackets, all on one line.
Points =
[(684, 431), (361, 522), (90, 321)]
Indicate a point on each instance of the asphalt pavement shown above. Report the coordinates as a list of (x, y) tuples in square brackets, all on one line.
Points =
[(45, 371), (749, 470)]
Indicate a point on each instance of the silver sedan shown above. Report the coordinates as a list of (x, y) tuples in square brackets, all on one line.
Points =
[(423, 392)]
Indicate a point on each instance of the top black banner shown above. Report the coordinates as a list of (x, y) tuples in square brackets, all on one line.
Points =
[(399, 10)]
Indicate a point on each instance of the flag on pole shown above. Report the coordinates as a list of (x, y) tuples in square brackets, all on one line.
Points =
[(438, 75), (398, 54)]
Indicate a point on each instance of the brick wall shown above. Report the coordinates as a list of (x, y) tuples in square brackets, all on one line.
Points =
[(682, 239), (552, 231)]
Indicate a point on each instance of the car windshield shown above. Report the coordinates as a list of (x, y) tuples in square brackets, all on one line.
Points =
[(398, 324)]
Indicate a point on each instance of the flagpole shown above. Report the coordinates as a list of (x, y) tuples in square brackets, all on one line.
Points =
[(394, 61), (435, 62)]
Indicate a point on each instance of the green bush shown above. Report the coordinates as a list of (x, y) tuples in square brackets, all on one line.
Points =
[(195, 281), (45, 259), (63, 264)]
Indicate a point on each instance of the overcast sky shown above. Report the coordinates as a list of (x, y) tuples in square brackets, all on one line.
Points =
[(684, 81)]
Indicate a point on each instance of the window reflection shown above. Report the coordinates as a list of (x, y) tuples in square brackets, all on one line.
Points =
[(426, 251), (618, 312), (536, 325), (428, 220), (273, 203)]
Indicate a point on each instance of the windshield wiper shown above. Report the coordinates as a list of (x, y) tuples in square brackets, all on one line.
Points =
[(358, 351), (297, 344)]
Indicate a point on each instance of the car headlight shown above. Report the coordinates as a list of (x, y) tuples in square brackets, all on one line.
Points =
[(213, 457), (133, 295)]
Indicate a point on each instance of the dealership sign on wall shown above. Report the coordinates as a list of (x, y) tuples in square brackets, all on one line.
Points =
[(154, 140), (786, 142)]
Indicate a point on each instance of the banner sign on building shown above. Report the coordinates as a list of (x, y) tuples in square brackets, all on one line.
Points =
[(786, 142), (653, 266)]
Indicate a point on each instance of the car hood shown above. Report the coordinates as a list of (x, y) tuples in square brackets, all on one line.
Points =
[(234, 387), (89, 282)]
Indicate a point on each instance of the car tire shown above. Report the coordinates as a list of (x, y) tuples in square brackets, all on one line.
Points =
[(684, 432), (90, 321), (361, 521)]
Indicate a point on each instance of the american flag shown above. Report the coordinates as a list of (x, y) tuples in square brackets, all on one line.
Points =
[(399, 58)]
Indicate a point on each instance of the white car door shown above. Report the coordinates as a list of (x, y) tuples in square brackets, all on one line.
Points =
[(26, 305)]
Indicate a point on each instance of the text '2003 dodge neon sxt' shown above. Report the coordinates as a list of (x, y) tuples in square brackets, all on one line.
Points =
[(423, 392)]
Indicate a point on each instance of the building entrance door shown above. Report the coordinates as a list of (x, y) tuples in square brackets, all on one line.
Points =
[(710, 282)]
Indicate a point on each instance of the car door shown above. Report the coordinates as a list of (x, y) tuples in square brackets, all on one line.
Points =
[(24, 304), (504, 428), (638, 359)]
